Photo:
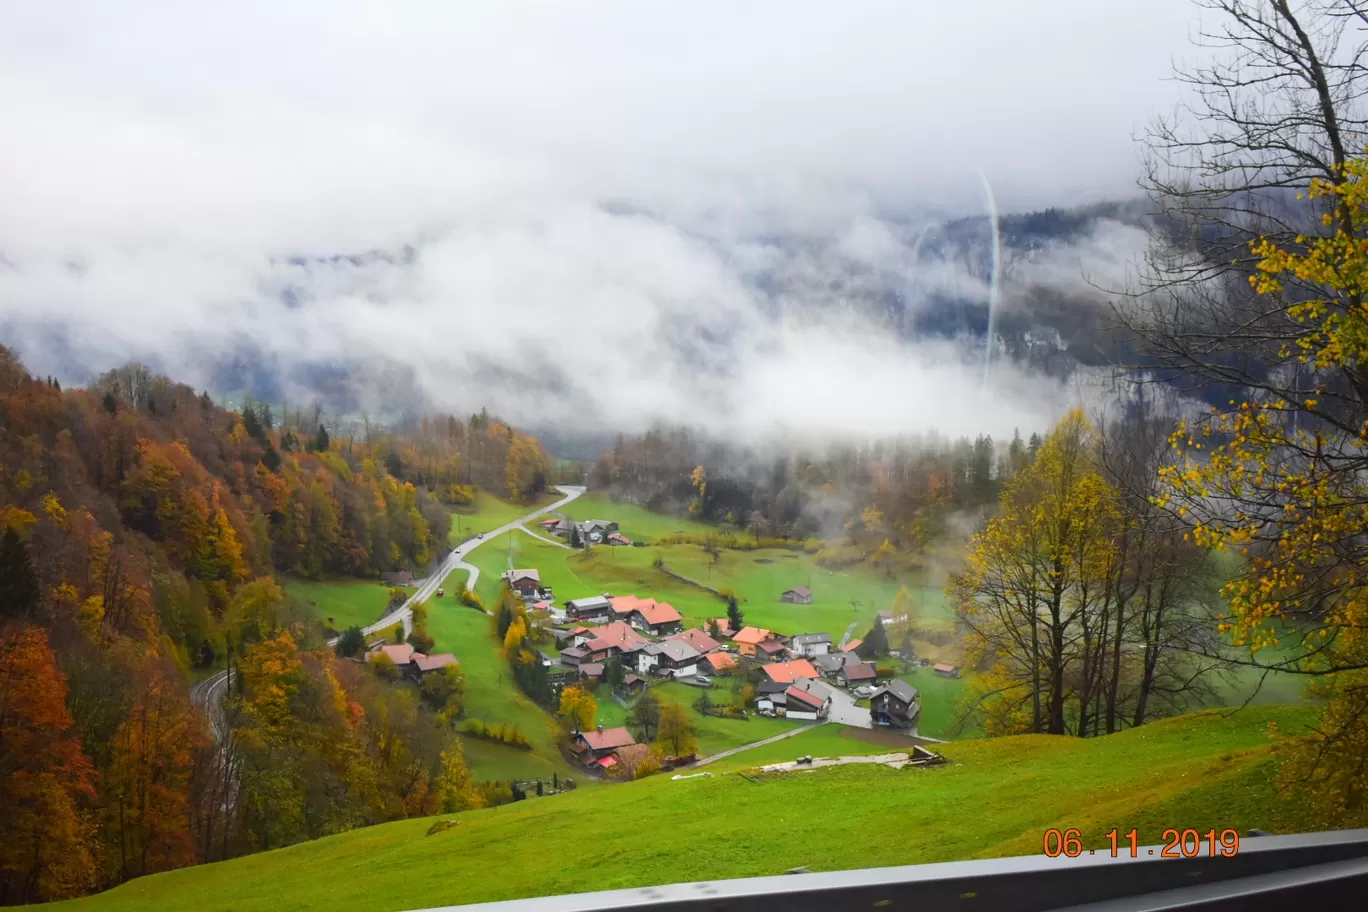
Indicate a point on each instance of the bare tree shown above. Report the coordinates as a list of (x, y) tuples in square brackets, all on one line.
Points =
[(1280, 105)]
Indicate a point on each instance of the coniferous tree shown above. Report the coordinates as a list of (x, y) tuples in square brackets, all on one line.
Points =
[(18, 579)]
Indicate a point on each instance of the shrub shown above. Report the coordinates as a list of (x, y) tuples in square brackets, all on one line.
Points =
[(509, 735), (441, 826), (471, 600), (885, 671)]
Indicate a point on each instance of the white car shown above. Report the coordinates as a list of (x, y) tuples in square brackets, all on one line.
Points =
[(704, 680)]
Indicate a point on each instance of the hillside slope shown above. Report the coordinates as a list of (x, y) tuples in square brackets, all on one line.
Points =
[(997, 796)]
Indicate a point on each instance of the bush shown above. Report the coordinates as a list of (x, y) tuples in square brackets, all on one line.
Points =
[(885, 671), (471, 600), (509, 735), (351, 643)]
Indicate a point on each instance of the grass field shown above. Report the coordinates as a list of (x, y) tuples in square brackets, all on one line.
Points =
[(635, 522), (490, 512), (342, 603), (492, 696), (823, 741), (995, 798)]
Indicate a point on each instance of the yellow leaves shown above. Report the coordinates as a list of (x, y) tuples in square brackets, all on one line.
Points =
[(16, 518), (54, 509)]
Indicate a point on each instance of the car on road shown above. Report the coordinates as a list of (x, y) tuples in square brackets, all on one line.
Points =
[(481, 535), (704, 680)]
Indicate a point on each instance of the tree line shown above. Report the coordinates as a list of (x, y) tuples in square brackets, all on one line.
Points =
[(141, 526)]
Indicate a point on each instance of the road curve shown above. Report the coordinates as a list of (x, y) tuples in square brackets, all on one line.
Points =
[(208, 694)]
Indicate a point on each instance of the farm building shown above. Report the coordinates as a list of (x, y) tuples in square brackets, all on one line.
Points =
[(810, 645), (798, 595), (527, 583), (946, 671)]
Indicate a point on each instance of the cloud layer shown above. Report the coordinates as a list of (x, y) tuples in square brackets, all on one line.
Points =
[(575, 205)]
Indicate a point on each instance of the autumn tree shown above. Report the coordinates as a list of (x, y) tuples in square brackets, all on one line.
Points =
[(148, 785), (675, 733), (644, 716), (1279, 480), (1033, 594), (578, 708), (46, 780)]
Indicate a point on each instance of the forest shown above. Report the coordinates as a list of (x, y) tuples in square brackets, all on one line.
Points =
[(142, 527)]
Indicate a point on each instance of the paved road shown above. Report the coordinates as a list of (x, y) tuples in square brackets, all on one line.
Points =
[(208, 694), (549, 541), (844, 711), (846, 639), (746, 747)]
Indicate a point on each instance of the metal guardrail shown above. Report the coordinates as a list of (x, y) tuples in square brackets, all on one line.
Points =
[(1318, 871)]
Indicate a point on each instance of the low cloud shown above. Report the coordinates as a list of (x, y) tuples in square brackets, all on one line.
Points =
[(592, 220)]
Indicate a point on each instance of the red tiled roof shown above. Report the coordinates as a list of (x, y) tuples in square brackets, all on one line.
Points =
[(699, 640), (608, 739), (860, 671), (614, 634), (658, 613), (608, 761), (432, 663), (852, 646), (788, 672), (720, 661), (400, 654), (623, 605), (770, 646), (942, 667), (803, 696), (752, 635)]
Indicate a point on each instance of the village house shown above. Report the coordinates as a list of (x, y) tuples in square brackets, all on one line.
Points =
[(632, 685), (750, 637), (771, 650), (788, 672), (894, 705), (852, 646), (772, 704), (596, 530), (574, 655), (592, 746), (602, 643), (946, 671), (423, 665), (717, 663), (617, 538), (819, 689), (591, 672), (699, 640), (798, 595), (799, 704), (658, 618), (810, 645), (400, 654), (723, 626), (626, 760), (397, 578), (594, 608), (673, 658), (855, 674), (527, 583), (833, 662)]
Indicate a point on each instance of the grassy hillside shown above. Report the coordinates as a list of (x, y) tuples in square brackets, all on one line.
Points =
[(995, 798), (490, 512), (342, 603)]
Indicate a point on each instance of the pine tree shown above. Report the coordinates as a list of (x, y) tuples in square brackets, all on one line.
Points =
[(734, 615), (18, 579)]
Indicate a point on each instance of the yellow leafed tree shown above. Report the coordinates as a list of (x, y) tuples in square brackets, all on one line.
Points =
[(1279, 479)]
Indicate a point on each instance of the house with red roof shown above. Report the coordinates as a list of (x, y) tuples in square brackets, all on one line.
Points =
[(592, 746), (852, 646), (718, 663), (400, 654), (659, 618), (750, 637), (788, 672), (698, 639)]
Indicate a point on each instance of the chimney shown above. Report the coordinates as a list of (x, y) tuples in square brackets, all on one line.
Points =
[(600, 728)]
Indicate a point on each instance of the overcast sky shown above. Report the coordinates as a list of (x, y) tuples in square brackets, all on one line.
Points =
[(160, 159)]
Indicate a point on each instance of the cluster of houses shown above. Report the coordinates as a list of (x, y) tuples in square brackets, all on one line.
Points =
[(411, 663), (592, 531)]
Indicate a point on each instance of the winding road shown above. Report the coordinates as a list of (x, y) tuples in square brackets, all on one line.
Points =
[(208, 694)]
